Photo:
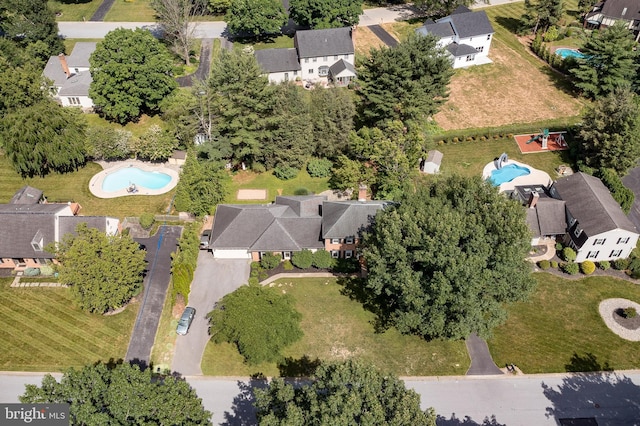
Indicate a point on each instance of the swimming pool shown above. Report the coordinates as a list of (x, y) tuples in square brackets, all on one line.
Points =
[(507, 174), (124, 178), (570, 53)]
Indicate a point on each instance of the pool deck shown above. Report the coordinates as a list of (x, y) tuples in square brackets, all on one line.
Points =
[(535, 177), (95, 184)]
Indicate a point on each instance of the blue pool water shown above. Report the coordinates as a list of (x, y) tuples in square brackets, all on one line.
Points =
[(570, 53), (123, 178), (507, 174)]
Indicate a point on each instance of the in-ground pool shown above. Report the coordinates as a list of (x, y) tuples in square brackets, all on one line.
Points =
[(507, 174), (124, 178), (570, 53)]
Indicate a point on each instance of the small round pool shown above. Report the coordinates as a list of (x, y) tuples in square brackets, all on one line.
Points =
[(570, 53), (507, 174), (128, 176)]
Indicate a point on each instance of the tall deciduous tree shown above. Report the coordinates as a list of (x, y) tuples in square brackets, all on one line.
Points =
[(103, 272), (155, 144), (30, 21), (444, 261), (610, 61), (439, 8), (202, 185), (176, 17), (346, 393), (541, 14), (408, 82), (120, 395), (131, 73), (332, 114), (318, 14), (255, 18), (259, 320), (44, 138), (610, 133)]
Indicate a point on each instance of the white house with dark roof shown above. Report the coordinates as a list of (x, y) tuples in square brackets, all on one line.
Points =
[(318, 55), (466, 35), (606, 13), (71, 77)]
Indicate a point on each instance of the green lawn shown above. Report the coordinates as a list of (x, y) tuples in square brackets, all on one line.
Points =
[(75, 11), (273, 185), (131, 11), (42, 330), (283, 41), (335, 328), (560, 320), (165, 341)]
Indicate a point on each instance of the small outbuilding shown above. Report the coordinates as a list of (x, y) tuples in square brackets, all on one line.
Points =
[(431, 164)]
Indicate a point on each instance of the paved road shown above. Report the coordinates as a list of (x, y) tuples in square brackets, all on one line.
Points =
[(213, 279), (203, 67), (159, 249), (632, 181), (481, 361), (383, 35)]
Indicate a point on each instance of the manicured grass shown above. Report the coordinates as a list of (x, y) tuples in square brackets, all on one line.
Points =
[(283, 41), (75, 11), (42, 330), (336, 328), (131, 11), (560, 320), (165, 341), (273, 185)]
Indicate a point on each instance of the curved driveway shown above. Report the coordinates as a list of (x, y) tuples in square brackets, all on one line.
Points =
[(212, 280)]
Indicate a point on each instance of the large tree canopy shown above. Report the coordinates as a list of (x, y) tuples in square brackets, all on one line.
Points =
[(176, 17), (318, 14), (103, 272), (407, 82), (202, 185), (29, 22), (254, 18), (610, 133), (120, 395), (332, 112), (444, 261), (348, 393), (43, 138), (610, 61), (439, 8), (541, 14), (131, 73)]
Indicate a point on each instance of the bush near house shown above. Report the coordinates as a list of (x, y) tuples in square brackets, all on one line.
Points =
[(146, 220), (571, 268), (544, 265), (302, 259), (621, 264), (285, 172), (322, 259), (569, 254), (604, 265), (270, 261), (319, 167), (587, 267)]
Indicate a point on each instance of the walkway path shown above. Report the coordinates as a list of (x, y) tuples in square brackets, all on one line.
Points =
[(203, 67), (481, 362), (102, 10), (383, 35)]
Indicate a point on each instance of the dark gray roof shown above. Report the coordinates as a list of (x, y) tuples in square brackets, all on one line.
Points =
[(340, 67), (348, 218), (26, 195), (17, 230), (31, 209), (552, 218), (461, 9), (329, 42), (303, 205), (53, 71), (80, 54), (461, 49), (68, 224), (532, 222), (278, 60), (290, 234), (440, 29), (76, 85), (591, 203), (614, 9), (434, 156), (470, 24)]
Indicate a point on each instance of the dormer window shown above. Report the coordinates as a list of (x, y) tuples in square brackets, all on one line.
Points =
[(577, 232), (38, 241), (624, 11)]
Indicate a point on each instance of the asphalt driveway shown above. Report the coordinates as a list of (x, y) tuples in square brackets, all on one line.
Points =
[(213, 279), (481, 362)]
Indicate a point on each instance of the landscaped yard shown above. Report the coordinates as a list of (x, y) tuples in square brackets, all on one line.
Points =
[(42, 330), (131, 11), (560, 320), (273, 185), (336, 328), (75, 11)]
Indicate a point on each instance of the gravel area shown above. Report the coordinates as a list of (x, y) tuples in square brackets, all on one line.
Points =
[(607, 310)]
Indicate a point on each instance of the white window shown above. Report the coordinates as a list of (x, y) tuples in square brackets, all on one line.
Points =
[(74, 101), (599, 241), (615, 253), (470, 58), (306, 60), (346, 56), (315, 59), (286, 76), (348, 254), (349, 240), (335, 241), (577, 232), (488, 36), (261, 255), (335, 254), (592, 254), (623, 240), (480, 49), (286, 255), (335, 58), (295, 72), (310, 70), (323, 71), (325, 58)]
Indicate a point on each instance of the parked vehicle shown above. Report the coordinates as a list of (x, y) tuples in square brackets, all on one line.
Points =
[(185, 320), (204, 239)]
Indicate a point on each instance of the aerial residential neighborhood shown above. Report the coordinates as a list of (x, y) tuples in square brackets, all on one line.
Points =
[(320, 212)]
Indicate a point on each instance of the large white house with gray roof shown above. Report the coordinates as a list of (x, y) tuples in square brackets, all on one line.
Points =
[(71, 77), (466, 35), (318, 55)]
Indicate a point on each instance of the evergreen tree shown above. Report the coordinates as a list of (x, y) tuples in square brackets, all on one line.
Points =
[(610, 61), (439, 8), (317, 14), (255, 18), (541, 14), (332, 114), (202, 185), (28, 22)]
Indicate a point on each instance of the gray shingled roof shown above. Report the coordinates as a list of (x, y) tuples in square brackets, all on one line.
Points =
[(341, 66), (434, 156), (53, 71), (440, 29), (26, 195), (461, 49), (591, 203), (278, 60), (470, 24), (532, 222), (68, 224), (329, 42), (76, 85), (551, 216), (303, 205), (614, 9), (80, 54), (347, 218)]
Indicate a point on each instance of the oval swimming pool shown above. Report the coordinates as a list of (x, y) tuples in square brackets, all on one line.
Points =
[(507, 174), (124, 178), (570, 53)]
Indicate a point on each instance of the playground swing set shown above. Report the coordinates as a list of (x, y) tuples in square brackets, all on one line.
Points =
[(543, 138)]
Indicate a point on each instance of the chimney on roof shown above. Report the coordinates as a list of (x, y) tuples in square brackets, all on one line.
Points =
[(533, 199), (65, 66), (362, 193)]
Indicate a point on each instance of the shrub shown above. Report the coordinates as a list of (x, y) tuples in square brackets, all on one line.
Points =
[(604, 265), (285, 172), (258, 167), (551, 34), (287, 265), (302, 259), (571, 268), (621, 264), (32, 272), (301, 191), (146, 220), (587, 267), (554, 264), (270, 261), (544, 264), (319, 167), (346, 266), (559, 246), (46, 270), (634, 268), (322, 259), (629, 312), (568, 254)]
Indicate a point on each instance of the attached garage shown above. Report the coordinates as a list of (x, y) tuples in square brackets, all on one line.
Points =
[(231, 254)]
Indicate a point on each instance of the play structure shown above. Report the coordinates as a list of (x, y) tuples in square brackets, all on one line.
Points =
[(543, 138), (501, 160)]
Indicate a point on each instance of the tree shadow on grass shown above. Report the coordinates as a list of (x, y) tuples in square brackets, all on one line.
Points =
[(354, 289), (513, 25), (466, 421), (586, 363), (243, 411), (301, 367)]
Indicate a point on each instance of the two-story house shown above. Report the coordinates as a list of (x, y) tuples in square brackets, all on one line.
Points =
[(71, 77), (607, 13), (466, 35)]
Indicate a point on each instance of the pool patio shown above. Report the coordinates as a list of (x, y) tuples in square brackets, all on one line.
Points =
[(95, 184), (535, 177)]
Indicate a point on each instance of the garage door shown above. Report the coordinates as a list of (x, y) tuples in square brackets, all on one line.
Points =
[(231, 254)]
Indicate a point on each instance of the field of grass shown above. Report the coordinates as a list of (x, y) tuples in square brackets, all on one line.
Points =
[(280, 42), (131, 11), (75, 11), (273, 185), (165, 341), (560, 328), (336, 328), (42, 330)]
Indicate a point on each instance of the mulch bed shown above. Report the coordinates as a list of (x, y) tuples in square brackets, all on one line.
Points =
[(628, 323), (280, 270)]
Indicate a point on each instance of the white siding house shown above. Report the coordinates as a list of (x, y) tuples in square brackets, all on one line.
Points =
[(607, 13), (280, 64), (466, 35), (70, 76)]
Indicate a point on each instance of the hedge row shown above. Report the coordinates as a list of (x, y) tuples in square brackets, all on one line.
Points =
[(184, 262)]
